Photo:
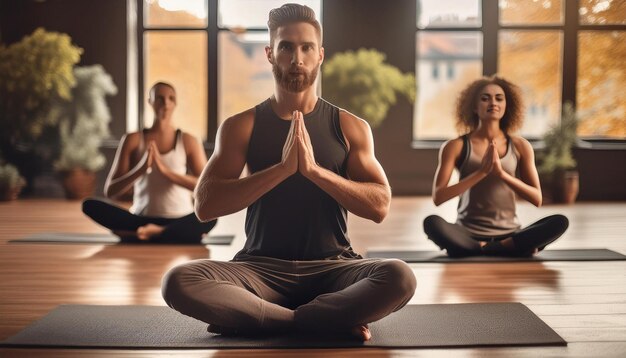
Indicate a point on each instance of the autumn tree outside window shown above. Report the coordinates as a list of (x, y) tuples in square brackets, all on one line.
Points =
[(556, 50)]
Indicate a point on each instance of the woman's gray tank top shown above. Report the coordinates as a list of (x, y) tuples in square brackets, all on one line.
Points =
[(488, 208)]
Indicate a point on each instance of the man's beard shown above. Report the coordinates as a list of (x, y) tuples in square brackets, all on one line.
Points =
[(294, 83)]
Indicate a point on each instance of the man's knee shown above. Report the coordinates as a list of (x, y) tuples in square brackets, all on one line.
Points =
[(182, 282), (400, 276), (172, 287)]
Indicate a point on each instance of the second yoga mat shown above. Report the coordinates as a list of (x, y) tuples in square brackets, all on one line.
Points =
[(92, 238), (546, 255)]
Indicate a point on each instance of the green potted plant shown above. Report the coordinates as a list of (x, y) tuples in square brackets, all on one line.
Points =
[(11, 182), (362, 83), (558, 166), (83, 124), (34, 71)]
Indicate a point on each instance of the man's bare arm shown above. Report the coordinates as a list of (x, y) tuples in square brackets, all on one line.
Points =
[(220, 190), (366, 193)]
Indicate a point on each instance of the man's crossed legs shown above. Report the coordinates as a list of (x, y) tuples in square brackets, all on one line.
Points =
[(260, 295)]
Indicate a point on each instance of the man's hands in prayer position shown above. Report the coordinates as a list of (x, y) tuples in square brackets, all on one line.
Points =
[(298, 152)]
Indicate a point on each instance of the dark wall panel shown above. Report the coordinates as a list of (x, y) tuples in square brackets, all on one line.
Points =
[(602, 174), (388, 27), (99, 27)]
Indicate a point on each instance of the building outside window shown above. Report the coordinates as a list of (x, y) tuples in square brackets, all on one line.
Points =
[(556, 50), (174, 35)]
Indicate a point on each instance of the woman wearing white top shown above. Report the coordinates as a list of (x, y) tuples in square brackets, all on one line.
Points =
[(162, 164)]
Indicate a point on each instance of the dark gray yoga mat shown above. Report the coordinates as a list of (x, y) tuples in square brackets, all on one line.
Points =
[(414, 326), (91, 238), (546, 255)]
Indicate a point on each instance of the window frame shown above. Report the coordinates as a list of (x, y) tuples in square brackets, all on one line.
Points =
[(570, 28), (490, 28), (213, 31)]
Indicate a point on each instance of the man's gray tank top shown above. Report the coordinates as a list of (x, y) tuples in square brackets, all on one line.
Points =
[(297, 220), (488, 208)]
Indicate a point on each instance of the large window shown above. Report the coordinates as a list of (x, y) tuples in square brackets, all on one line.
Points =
[(449, 50), (555, 50), (213, 53), (601, 71), (174, 39)]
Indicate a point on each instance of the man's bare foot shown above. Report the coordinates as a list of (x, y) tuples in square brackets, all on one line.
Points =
[(147, 231), (362, 333)]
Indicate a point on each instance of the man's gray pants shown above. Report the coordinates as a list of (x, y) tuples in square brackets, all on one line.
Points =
[(260, 294)]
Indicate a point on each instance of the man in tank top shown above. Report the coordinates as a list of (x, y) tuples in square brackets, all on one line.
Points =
[(310, 163), (162, 165)]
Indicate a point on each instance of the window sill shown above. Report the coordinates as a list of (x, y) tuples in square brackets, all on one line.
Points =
[(427, 144), (601, 144)]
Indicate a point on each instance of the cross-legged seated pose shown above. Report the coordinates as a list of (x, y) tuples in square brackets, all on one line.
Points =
[(310, 163), (163, 164), (488, 158)]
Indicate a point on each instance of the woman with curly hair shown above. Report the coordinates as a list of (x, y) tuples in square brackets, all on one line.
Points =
[(488, 157)]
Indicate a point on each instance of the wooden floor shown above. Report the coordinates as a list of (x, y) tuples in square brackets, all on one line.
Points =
[(585, 302)]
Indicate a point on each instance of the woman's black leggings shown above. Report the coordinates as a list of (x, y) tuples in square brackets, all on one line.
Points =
[(459, 242), (184, 230)]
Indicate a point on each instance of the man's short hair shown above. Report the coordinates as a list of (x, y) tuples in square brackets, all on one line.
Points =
[(289, 14)]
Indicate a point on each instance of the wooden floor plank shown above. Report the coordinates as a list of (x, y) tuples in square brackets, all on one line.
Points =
[(585, 302), (573, 350)]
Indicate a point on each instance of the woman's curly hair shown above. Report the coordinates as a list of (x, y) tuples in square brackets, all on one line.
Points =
[(466, 117)]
